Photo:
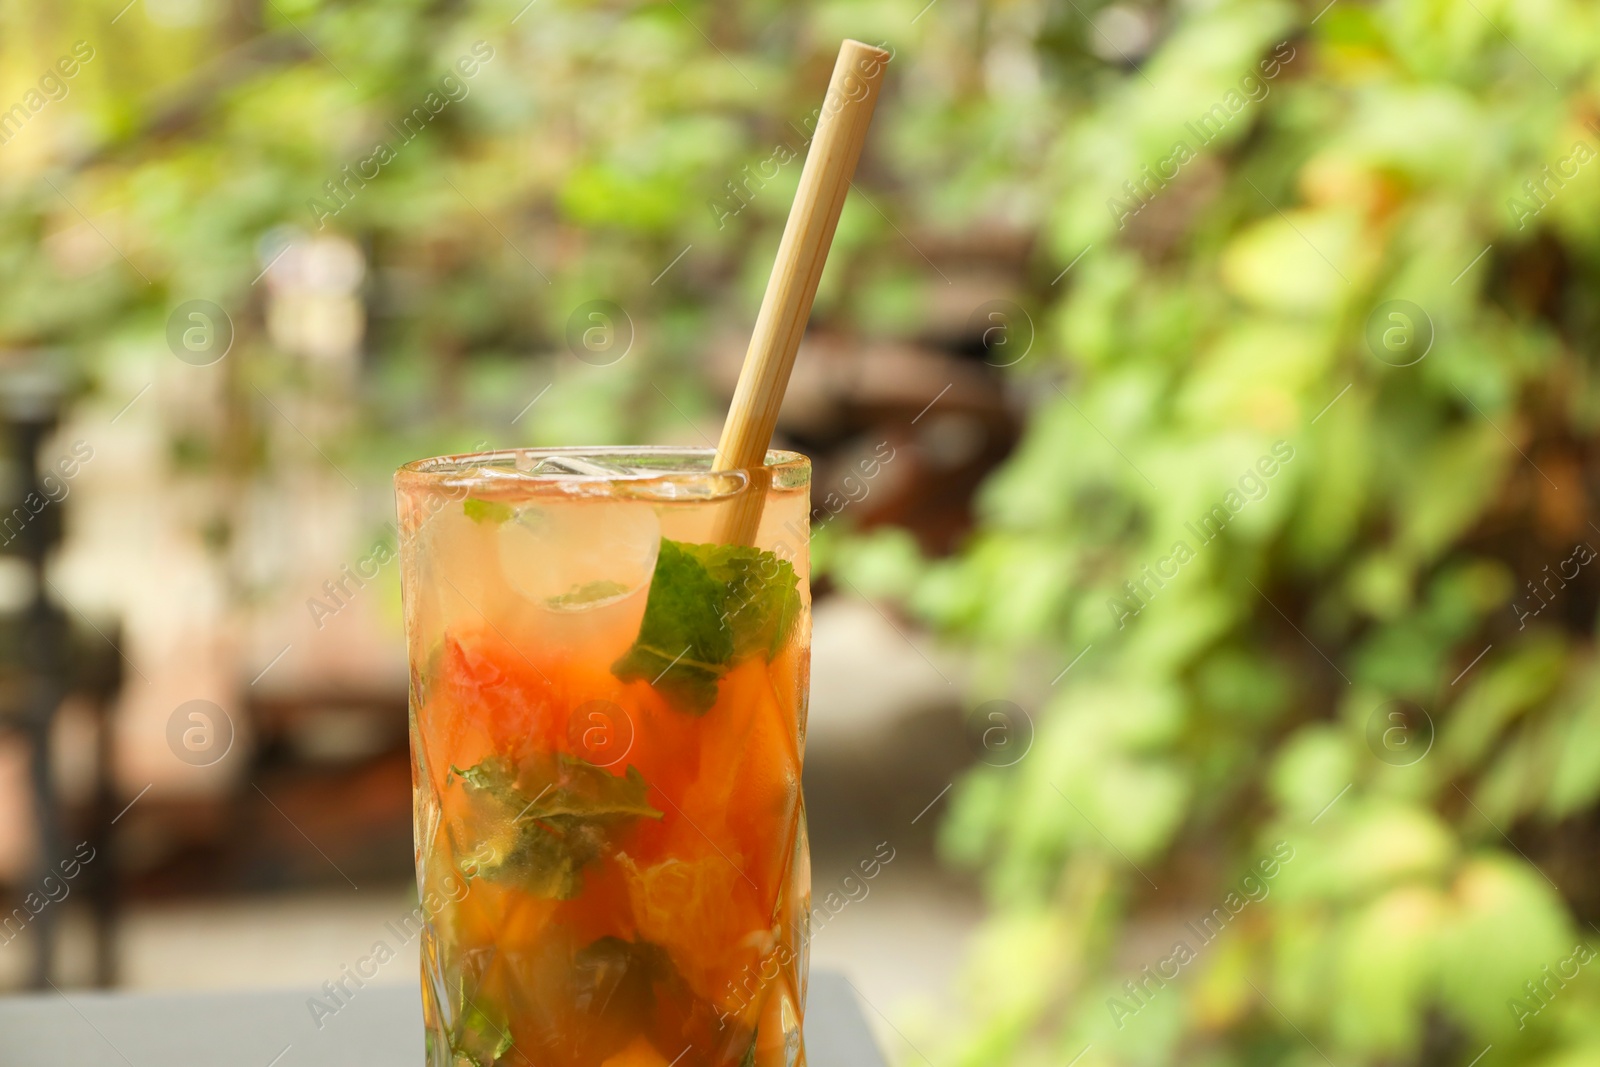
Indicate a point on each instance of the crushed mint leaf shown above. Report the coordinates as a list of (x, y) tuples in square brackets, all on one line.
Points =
[(586, 595), (709, 607), (486, 510), (478, 1040), (553, 815)]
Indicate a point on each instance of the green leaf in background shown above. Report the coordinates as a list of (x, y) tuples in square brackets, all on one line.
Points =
[(1506, 925), (1387, 970)]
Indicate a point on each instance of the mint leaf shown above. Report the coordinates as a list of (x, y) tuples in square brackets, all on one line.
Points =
[(486, 510), (582, 596), (683, 646), (709, 607), (549, 817), (764, 601), (612, 985), (477, 1039), (750, 1056)]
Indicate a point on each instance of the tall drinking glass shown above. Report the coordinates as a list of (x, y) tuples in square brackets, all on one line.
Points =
[(608, 714)]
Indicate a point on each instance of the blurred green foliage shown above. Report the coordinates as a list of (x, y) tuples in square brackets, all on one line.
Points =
[(1225, 305), (1231, 707)]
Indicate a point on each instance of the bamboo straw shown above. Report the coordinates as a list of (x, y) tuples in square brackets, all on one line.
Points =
[(830, 163)]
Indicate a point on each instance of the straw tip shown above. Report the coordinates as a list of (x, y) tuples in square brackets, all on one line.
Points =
[(852, 45)]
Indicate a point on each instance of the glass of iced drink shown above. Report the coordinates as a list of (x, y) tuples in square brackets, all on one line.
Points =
[(608, 713)]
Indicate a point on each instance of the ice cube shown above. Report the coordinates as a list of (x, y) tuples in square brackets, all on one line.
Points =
[(579, 555), (584, 467)]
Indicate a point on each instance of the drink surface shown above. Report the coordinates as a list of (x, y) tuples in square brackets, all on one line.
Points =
[(608, 720)]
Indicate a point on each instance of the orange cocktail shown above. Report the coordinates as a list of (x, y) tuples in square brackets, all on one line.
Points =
[(607, 723)]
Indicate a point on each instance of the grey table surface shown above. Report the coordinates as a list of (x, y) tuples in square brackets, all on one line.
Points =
[(381, 1026)]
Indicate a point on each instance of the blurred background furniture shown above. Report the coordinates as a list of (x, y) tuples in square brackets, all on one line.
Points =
[(48, 655)]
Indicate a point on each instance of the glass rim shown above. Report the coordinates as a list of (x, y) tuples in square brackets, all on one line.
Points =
[(469, 467)]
